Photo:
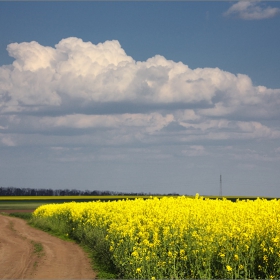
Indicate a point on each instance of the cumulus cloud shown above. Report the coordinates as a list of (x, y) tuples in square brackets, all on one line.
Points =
[(73, 87), (252, 10), (82, 74)]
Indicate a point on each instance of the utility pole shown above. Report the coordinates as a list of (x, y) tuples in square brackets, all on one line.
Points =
[(221, 188)]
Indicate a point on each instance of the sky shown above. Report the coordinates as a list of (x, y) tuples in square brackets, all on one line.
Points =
[(141, 96)]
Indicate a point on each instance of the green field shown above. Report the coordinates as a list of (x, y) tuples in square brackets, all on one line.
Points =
[(19, 205)]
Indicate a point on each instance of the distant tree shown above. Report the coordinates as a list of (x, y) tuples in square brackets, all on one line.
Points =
[(12, 191), (33, 192)]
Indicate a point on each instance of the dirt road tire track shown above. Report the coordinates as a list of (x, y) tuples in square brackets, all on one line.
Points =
[(58, 260)]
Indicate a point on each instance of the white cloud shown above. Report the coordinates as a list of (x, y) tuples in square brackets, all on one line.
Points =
[(31, 56), (8, 141), (256, 129), (151, 122), (64, 91), (252, 10), (187, 115), (81, 74)]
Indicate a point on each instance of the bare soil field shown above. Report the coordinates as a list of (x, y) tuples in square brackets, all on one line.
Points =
[(28, 253)]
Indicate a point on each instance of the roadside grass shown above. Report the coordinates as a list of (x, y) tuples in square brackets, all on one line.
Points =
[(22, 215), (98, 265)]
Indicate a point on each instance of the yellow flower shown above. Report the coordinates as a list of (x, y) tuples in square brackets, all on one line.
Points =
[(229, 268), (134, 254), (169, 254), (275, 240), (138, 270)]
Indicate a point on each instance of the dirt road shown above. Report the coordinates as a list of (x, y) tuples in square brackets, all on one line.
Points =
[(28, 253)]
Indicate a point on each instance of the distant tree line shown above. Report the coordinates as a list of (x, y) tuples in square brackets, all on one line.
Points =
[(12, 191)]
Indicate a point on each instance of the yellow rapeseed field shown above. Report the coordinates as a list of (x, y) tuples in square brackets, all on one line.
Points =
[(177, 237)]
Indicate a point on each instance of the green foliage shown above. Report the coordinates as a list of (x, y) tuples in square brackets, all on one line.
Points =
[(22, 215)]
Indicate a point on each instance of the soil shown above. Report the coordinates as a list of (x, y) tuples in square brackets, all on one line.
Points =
[(28, 253)]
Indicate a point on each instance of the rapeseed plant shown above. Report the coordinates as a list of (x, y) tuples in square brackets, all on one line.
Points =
[(177, 237)]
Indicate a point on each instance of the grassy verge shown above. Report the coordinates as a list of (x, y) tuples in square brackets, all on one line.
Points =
[(99, 266), (24, 216)]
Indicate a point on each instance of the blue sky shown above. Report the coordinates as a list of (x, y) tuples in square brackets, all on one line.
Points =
[(141, 96)]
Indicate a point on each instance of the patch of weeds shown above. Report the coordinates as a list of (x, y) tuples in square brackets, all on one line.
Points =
[(35, 265), (38, 248), (4, 213)]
